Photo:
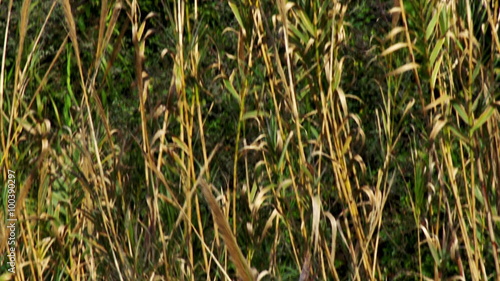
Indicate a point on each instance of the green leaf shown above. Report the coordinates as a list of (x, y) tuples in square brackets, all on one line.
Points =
[(306, 171), (443, 21), (253, 191), (232, 90), (56, 111), (461, 112), (298, 34), (237, 15), (27, 126), (181, 144), (435, 72), (254, 114), (435, 51), (283, 153), (483, 118), (476, 71), (178, 161), (476, 102), (479, 195), (419, 189), (306, 22), (314, 132), (430, 28), (458, 134)]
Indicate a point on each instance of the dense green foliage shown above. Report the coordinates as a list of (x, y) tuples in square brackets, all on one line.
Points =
[(259, 140)]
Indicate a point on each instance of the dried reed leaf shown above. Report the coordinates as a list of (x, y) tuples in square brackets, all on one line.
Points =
[(433, 243), (242, 268), (395, 31), (404, 68), (306, 267), (316, 205), (333, 222), (274, 215), (436, 129), (393, 48), (442, 99)]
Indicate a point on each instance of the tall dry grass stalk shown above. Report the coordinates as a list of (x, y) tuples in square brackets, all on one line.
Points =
[(294, 197), (455, 156)]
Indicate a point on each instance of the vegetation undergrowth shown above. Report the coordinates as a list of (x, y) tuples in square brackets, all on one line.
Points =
[(250, 140)]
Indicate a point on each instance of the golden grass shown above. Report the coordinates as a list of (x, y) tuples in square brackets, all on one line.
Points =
[(294, 197)]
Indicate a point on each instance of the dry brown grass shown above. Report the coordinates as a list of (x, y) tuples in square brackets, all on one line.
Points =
[(299, 201)]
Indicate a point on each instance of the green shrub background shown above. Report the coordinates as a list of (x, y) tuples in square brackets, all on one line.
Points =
[(259, 140)]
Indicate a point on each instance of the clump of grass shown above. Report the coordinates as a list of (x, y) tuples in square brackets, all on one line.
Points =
[(454, 180), (286, 193)]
